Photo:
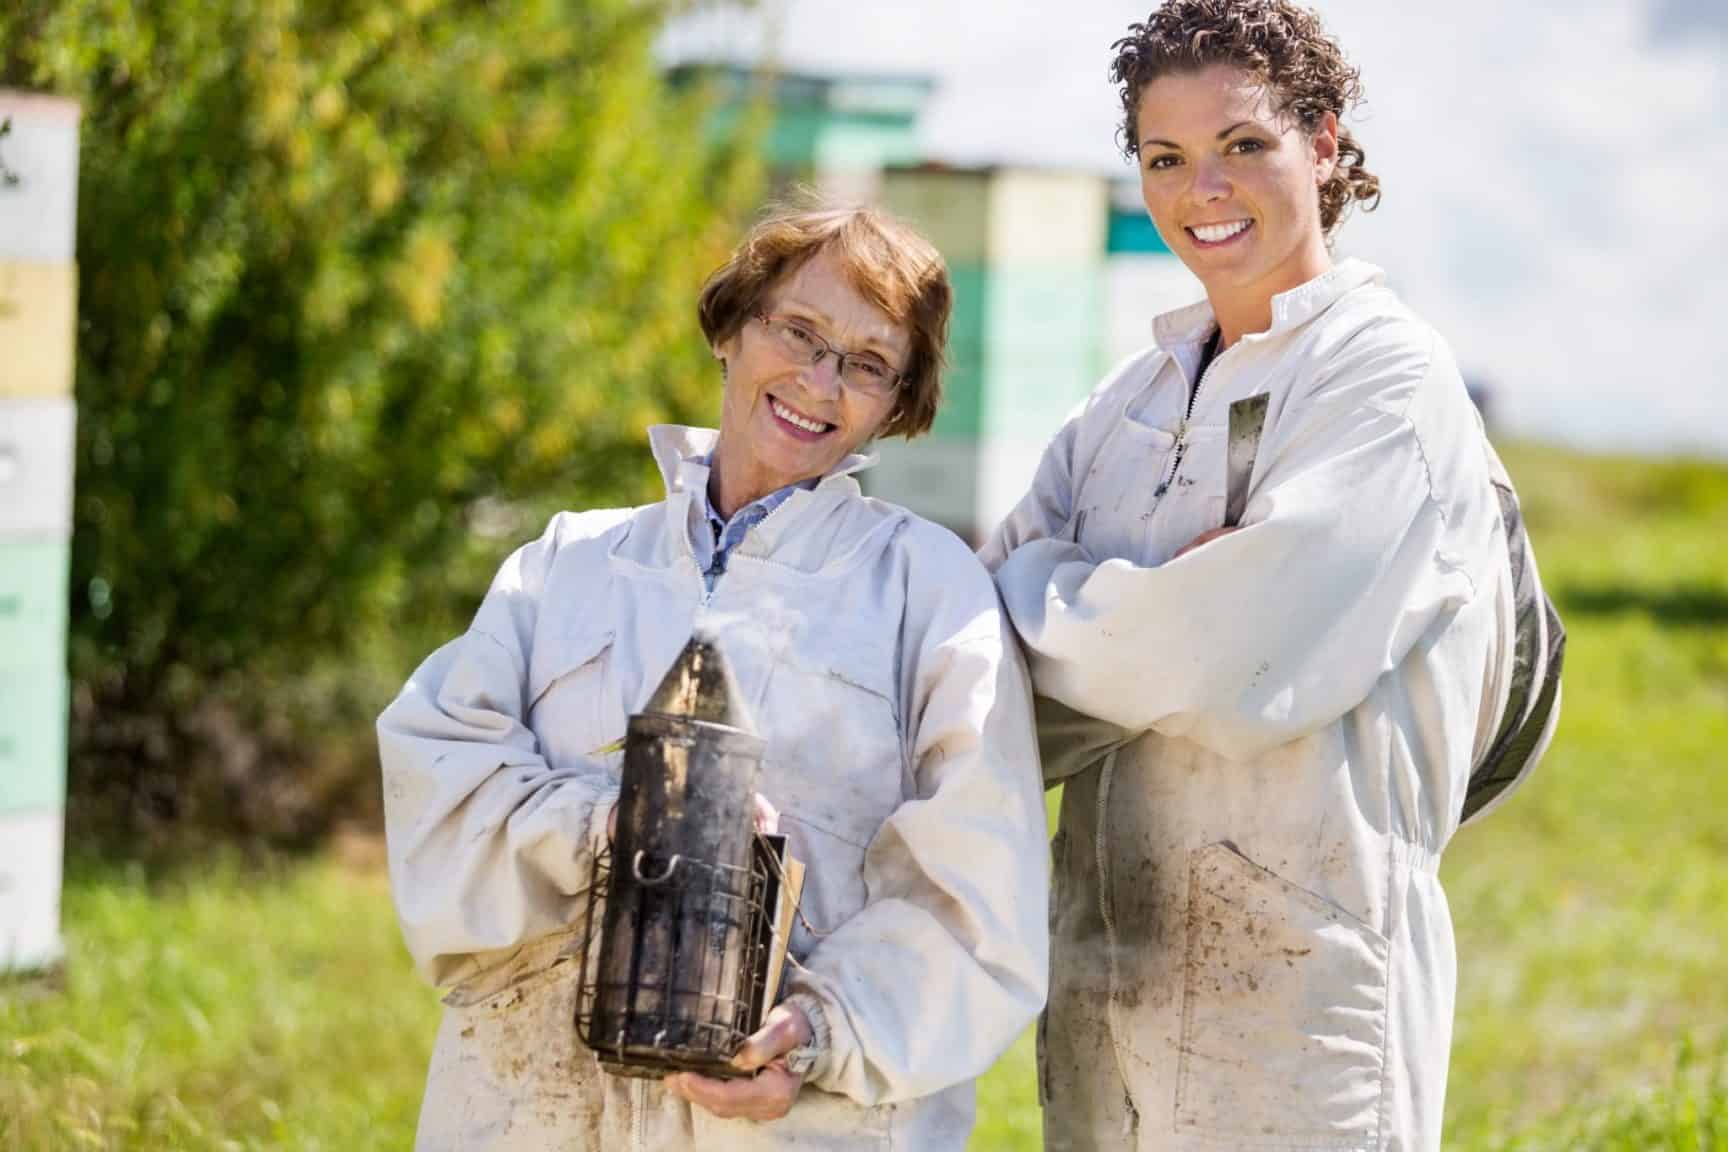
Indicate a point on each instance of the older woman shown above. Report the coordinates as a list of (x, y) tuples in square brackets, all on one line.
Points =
[(1252, 948), (900, 750)]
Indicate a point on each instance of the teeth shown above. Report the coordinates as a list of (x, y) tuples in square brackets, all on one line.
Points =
[(1213, 233), (796, 420)]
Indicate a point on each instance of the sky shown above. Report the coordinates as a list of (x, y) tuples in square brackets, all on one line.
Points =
[(1552, 170)]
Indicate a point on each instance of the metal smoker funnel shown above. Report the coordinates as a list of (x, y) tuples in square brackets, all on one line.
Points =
[(678, 966)]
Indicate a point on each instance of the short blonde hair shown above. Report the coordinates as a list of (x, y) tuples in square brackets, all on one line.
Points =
[(894, 267)]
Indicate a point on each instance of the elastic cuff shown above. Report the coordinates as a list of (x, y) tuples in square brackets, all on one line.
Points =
[(812, 1057)]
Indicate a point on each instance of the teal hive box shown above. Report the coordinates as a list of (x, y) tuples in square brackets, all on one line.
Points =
[(33, 702), (32, 600)]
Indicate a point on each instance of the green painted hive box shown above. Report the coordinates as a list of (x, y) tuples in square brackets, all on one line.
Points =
[(32, 600), (33, 737)]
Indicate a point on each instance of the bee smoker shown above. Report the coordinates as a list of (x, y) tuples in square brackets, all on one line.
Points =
[(683, 947)]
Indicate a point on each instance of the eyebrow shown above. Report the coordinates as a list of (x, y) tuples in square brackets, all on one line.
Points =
[(1156, 143)]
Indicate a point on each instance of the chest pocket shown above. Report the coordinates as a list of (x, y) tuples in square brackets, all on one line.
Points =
[(1148, 494), (1116, 500), (574, 705), (1194, 501), (834, 764)]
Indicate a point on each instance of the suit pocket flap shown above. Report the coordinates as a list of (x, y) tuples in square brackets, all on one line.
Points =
[(517, 968), (1283, 1012), (557, 657)]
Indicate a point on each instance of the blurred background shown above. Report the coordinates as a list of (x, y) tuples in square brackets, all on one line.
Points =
[(326, 306)]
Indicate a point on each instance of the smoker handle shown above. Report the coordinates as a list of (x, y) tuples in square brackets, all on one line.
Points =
[(636, 869)]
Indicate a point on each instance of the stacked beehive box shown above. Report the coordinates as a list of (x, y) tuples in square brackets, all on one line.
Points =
[(1025, 250), (38, 290), (1142, 278)]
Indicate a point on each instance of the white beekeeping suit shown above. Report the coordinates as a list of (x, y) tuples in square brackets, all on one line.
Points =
[(900, 754), (1265, 741)]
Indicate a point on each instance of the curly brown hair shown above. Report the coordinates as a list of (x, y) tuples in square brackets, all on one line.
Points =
[(1279, 43)]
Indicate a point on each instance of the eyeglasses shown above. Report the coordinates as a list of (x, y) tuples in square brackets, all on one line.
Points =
[(863, 372)]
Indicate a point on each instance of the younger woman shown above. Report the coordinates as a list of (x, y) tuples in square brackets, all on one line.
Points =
[(1264, 725)]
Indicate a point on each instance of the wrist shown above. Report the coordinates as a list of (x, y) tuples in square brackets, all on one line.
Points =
[(809, 1058)]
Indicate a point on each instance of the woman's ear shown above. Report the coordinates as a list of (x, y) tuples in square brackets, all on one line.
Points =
[(1325, 141), (722, 351)]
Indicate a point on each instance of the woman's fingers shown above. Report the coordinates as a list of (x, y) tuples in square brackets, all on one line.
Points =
[(1203, 538), (769, 1095), (786, 1028), (767, 816)]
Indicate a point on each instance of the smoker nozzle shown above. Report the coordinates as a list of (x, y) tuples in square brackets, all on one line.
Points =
[(700, 686)]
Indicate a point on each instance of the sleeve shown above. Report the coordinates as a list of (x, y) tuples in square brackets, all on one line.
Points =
[(489, 846), (1266, 634), (1069, 741), (948, 961)]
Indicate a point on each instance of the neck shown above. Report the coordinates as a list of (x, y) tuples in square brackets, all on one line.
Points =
[(729, 489), (1247, 309)]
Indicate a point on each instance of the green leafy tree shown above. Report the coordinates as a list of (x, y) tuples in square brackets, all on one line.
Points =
[(364, 288)]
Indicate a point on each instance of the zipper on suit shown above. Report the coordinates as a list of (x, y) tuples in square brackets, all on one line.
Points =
[(639, 1117), (1182, 430), (711, 578), (720, 565)]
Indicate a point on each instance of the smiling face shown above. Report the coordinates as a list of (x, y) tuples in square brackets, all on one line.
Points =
[(782, 422), (1234, 187)]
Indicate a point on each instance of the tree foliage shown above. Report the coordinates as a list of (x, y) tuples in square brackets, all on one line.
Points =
[(354, 278)]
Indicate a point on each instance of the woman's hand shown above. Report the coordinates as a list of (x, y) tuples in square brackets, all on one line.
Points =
[(770, 1093), (1203, 538)]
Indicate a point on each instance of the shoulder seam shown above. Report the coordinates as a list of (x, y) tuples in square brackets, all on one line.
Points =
[(476, 630), (1402, 414), (1428, 469)]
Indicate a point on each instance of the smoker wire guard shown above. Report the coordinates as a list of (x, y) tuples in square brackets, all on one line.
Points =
[(693, 1030)]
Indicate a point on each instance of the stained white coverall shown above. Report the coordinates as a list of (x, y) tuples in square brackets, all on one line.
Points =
[(1265, 742), (900, 754)]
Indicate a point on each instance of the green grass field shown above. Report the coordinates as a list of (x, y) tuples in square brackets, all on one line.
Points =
[(274, 1008)]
